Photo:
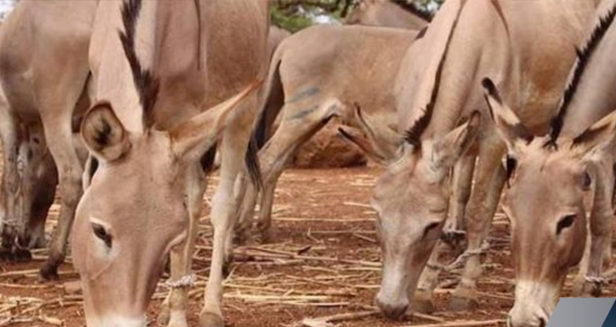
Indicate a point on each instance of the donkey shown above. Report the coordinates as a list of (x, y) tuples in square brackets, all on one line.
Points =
[(275, 37), (315, 75), (43, 73), (488, 38), (152, 137), (550, 177), (391, 13)]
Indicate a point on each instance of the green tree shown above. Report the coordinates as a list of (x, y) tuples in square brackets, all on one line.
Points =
[(293, 15)]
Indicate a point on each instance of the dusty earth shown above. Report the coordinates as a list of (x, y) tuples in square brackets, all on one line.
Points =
[(322, 260)]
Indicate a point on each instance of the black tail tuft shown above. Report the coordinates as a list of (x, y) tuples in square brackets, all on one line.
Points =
[(252, 163)]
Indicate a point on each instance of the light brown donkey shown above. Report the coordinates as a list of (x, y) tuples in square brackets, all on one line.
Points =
[(550, 177), (316, 74), (149, 130), (466, 41), (391, 13), (43, 72)]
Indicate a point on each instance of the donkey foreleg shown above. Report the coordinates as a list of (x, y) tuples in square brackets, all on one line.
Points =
[(590, 279), (224, 210), (454, 229), (173, 311), (485, 195)]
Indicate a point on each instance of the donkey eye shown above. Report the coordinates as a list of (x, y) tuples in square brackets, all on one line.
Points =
[(101, 233), (429, 228), (586, 181), (565, 222)]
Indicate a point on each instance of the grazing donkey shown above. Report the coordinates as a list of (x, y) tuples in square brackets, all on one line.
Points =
[(150, 131), (30, 175), (43, 73), (314, 75), (391, 13), (466, 41), (550, 177)]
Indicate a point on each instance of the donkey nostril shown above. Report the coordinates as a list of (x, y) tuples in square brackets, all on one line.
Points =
[(541, 322)]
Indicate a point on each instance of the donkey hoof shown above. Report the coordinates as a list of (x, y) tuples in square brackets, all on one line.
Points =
[(463, 303), (209, 319), (240, 237), (262, 237), (49, 272), (422, 302), (6, 254), (22, 255)]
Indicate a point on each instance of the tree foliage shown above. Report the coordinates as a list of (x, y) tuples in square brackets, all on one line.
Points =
[(294, 15)]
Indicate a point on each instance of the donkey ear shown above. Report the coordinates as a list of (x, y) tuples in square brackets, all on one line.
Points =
[(447, 151), (103, 133), (194, 137), (508, 125), (363, 144), (380, 141), (598, 134)]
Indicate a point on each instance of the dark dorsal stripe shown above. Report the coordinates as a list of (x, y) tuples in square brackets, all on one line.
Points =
[(145, 82), (413, 134), (410, 7), (583, 57), (421, 33)]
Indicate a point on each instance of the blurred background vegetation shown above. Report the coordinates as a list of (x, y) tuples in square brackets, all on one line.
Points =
[(294, 15)]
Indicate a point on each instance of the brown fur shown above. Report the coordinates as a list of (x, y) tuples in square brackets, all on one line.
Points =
[(550, 183), (149, 183), (43, 72), (314, 75), (529, 62)]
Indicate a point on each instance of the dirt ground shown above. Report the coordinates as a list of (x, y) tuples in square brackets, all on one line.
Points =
[(322, 260)]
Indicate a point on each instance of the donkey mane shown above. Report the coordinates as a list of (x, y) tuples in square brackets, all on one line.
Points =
[(410, 7), (413, 134), (583, 57), (145, 82)]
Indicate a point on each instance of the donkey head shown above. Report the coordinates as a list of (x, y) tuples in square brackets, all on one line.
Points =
[(545, 204), (136, 208), (411, 199)]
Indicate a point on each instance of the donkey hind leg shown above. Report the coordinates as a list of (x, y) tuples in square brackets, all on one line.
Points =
[(45, 184), (224, 208), (294, 130), (12, 139), (454, 229), (490, 178), (58, 132)]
